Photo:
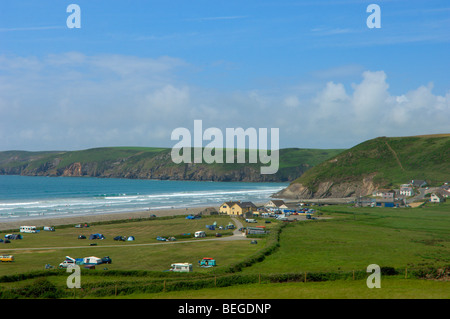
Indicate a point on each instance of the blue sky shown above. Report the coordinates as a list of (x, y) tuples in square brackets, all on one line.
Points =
[(134, 72)]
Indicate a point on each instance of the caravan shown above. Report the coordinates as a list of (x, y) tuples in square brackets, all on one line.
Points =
[(181, 267), (92, 260), (199, 234), (28, 229)]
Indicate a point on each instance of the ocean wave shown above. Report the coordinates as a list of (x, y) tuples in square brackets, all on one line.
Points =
[(89, 198)]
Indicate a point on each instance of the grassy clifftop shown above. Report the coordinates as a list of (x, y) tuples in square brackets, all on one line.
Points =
[(154, 163), (381, 162)]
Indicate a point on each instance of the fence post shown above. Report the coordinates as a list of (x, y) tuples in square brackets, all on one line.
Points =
[(259, 279), (305, 276), (406, 273), (164, 289), (353, 275)]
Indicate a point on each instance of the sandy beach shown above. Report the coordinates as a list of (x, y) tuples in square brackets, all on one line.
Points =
[(41, 221), (55, 221)]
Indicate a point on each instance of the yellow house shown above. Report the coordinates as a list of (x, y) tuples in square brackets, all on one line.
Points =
[(241, 208), (225, 208)]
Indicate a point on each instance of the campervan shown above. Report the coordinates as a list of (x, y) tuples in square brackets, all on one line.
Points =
[(199, 234), (6, 258), (181, 267), (28, 229)]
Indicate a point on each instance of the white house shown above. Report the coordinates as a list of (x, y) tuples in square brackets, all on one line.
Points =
[(406, 190), (437, 198), (276, 203)]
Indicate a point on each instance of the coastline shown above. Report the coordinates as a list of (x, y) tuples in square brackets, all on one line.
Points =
[(41, 221)]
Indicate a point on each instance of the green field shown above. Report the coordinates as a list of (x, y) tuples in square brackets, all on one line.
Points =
[(358, 237), (391, 288), (411, 245)]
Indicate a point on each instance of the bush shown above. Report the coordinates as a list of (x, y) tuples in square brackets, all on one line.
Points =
[(388, 271)]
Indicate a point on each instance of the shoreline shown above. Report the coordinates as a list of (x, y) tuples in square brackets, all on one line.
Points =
[(41, 221)]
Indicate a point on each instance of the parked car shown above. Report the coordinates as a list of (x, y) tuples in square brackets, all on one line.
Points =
[(81, 237), (106, 260)]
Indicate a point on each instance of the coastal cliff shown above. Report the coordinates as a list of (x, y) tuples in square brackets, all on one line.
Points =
[(384, 162), (153, 163)]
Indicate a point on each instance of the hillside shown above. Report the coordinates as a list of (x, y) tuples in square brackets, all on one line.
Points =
[(153, 163), (384, 162)]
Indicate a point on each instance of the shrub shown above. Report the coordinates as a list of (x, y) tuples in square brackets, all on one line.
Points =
[(388, 271)]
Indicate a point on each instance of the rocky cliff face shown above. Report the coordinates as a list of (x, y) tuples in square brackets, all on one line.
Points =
[(160, 168), (74, 169), (329, 189)]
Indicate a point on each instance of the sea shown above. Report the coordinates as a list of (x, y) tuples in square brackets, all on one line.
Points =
[(25, 197)]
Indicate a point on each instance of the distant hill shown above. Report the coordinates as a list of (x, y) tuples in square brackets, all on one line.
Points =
[(154, 163), (384, 162)]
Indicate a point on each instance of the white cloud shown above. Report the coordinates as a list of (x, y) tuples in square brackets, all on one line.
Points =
[(291, 101), (75, 101)]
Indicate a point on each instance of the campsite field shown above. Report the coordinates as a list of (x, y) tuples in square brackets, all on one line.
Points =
[(34, 251), (410, 244)]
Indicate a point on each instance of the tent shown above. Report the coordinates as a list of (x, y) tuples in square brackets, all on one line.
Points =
[(92, 260), (13, 236), (131, 238), (96, 236)]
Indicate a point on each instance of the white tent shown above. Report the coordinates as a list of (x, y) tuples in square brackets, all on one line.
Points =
[(92, 260)]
